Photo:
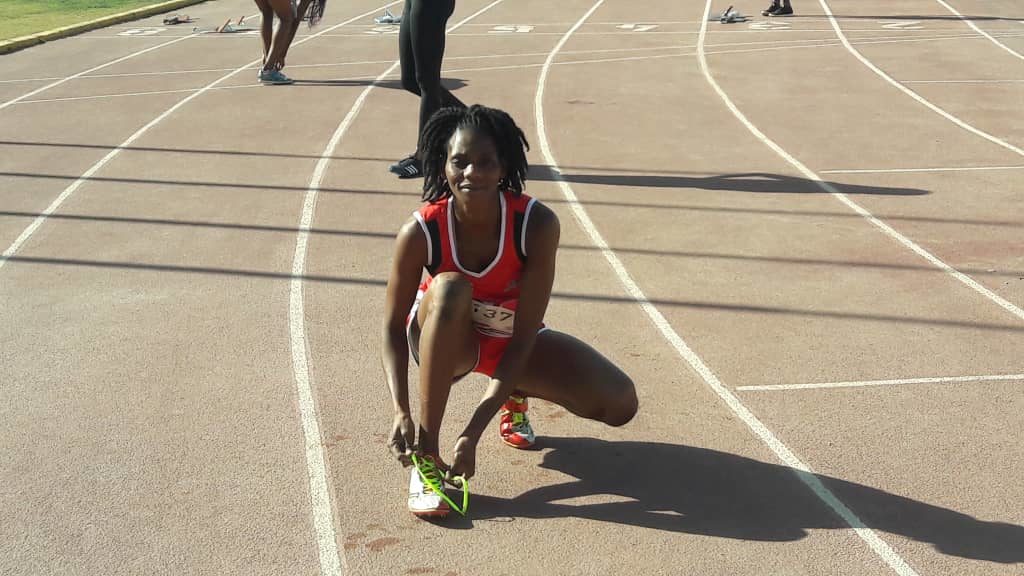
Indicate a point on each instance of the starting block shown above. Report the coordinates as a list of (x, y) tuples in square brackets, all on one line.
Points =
[(178, 19), (730, 16), (227, 28), (388, 18)]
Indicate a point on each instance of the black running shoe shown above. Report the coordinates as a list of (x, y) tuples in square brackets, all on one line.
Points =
[(771, 9), (783, 11), (408, 167)]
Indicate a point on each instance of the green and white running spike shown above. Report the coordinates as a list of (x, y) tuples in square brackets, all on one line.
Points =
[(438, 489)]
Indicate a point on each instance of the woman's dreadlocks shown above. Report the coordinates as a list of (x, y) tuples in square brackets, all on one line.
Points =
[(508, 139)]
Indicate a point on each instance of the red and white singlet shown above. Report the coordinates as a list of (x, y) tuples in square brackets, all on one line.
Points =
[(496, 287)]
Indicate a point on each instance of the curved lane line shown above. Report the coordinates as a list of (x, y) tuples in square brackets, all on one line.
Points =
[(802, 471), (323, 518), (810, 175), (980, 31), (908, 91), (30, 230)]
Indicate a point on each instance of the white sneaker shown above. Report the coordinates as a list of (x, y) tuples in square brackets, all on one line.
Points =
[(423, 500)]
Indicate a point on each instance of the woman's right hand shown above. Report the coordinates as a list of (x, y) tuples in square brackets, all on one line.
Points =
[(403, 438)]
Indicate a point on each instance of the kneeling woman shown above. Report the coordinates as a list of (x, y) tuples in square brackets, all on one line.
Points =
[(489, 253)]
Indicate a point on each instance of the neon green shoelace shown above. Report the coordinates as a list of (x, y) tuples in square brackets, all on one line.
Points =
[(432, 479)]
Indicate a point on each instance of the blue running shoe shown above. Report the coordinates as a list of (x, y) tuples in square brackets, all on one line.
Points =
[(274, 78)]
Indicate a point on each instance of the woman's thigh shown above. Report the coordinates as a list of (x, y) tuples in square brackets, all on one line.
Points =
[(282, 8), (569, 372)]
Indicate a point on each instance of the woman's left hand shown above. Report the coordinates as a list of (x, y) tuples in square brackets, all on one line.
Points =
[(464, 462)]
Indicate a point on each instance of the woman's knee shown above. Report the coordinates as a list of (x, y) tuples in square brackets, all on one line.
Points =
[(622, 404), (451, 296)]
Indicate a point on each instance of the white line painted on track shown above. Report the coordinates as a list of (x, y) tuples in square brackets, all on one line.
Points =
[(93, 69), (19, 80), (939, 169), (961, 81), (124, 94), (364, 36), (820, 42), (802, 471), (897, 382), (323, 519), (161, 73), (908, 91), (329, 557), (807, 172), (86, 74), (980, 31), (832, 43), (27, 233), (823, 43)]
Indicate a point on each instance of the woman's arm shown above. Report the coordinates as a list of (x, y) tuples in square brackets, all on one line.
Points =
[(406, 270), (535, 284)]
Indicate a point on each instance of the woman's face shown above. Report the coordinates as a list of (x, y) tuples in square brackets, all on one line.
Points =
[(473, 167)]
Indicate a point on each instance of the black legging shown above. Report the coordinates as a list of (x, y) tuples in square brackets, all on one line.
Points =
[(421, 49)]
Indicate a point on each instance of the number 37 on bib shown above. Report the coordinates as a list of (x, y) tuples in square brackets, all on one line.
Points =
[(494, 319)]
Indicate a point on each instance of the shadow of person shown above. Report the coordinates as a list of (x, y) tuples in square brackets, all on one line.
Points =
[(760, 182), (700, 491)]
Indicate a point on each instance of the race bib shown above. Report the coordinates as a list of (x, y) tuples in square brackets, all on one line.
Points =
[(494, 319)]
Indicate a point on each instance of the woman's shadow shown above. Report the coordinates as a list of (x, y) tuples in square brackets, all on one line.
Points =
[(700, 491)]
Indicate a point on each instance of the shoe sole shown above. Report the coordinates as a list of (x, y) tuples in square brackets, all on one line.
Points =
[(519, 446), (430, 513)]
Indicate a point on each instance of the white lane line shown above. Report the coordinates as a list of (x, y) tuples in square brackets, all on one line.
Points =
[(961, 81), (802, 471), (810, 175), (940, 169), (818, 42), (514, 66), (898, 382), (93, 69), (126, 94), (162, 73), (980, 31), (27, 233), (19, 80), (908, 91), (830, 43), (323, 517), (329, 557)]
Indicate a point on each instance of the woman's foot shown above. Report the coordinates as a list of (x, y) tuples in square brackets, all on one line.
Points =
[(514, 427), (423, 499), (408, 167), (771, 9), (274, 78)]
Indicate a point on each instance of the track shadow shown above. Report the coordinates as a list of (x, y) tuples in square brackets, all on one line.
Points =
[(390, 236), (680, 488), (972, 325), (451, 84), (761, 182)]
